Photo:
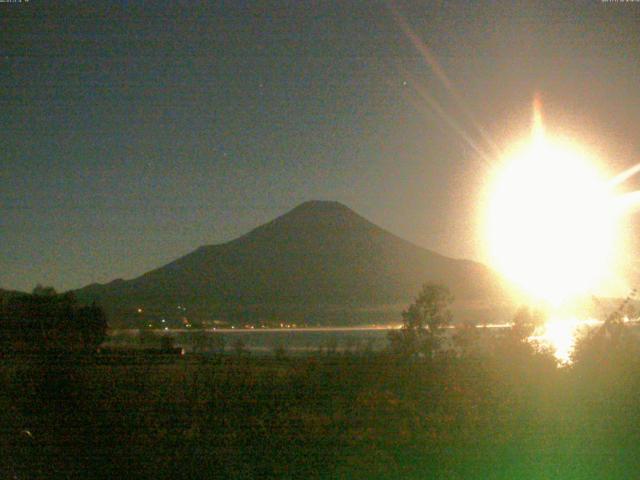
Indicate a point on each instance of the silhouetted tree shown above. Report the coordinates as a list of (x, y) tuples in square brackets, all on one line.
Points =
[(423, 322), (609, 348), (524, 323), (92, 323), (514, 342), (466, 336), (43, 291), (46, 320)]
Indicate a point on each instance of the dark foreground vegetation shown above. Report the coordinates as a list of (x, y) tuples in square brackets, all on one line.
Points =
[(45, 321), (483, 407)]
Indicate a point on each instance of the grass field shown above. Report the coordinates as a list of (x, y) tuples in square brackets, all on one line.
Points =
[(507, 412)]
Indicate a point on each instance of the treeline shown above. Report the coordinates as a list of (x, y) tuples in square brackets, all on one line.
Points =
[(45, 320)]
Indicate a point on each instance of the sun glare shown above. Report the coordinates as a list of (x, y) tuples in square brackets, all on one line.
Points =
[(560, 335), (551, 219)]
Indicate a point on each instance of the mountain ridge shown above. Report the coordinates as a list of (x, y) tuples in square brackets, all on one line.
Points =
[(319, 254)]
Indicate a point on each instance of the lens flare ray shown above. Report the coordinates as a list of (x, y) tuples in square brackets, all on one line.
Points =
[(441, 75), (424, 95), (624, 176)]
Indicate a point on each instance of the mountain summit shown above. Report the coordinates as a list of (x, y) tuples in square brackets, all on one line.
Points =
[(319, 263)]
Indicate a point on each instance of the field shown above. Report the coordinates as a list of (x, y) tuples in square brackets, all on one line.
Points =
[(506, 411)]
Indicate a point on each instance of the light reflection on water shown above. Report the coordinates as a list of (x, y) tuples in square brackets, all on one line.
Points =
[(558, 333), (561, 333)]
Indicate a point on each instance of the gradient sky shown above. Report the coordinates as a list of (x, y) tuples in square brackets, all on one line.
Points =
[(133, 132)]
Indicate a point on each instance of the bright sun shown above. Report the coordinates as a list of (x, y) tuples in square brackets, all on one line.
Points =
[(550, 220)]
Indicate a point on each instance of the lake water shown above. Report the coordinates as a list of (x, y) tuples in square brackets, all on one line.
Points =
[(559, 335), (266, 340), (298, 340)]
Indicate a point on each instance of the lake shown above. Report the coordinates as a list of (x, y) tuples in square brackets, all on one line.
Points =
[(266, 340)]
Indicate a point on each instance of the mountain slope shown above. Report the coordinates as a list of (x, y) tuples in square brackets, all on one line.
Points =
[(319, 257)]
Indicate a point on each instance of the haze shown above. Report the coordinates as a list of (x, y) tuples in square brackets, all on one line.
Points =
[(133, 134)]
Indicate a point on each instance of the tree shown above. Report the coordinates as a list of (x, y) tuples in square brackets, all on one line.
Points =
[(465, 338), (524, 323), (515, 346), (42, 291), (611, 346), (45, 320), (92, 323), (423, 322)]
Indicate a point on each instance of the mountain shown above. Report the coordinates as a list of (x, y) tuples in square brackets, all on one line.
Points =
[(320, 263)]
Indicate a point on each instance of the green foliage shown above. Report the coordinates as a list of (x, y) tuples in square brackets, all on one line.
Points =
[(423, 322), (500, 412), (466, 337), (525, 322), (610, 347), (500, 408)]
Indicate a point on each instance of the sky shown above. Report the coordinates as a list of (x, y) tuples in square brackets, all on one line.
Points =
[(134, 132)]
